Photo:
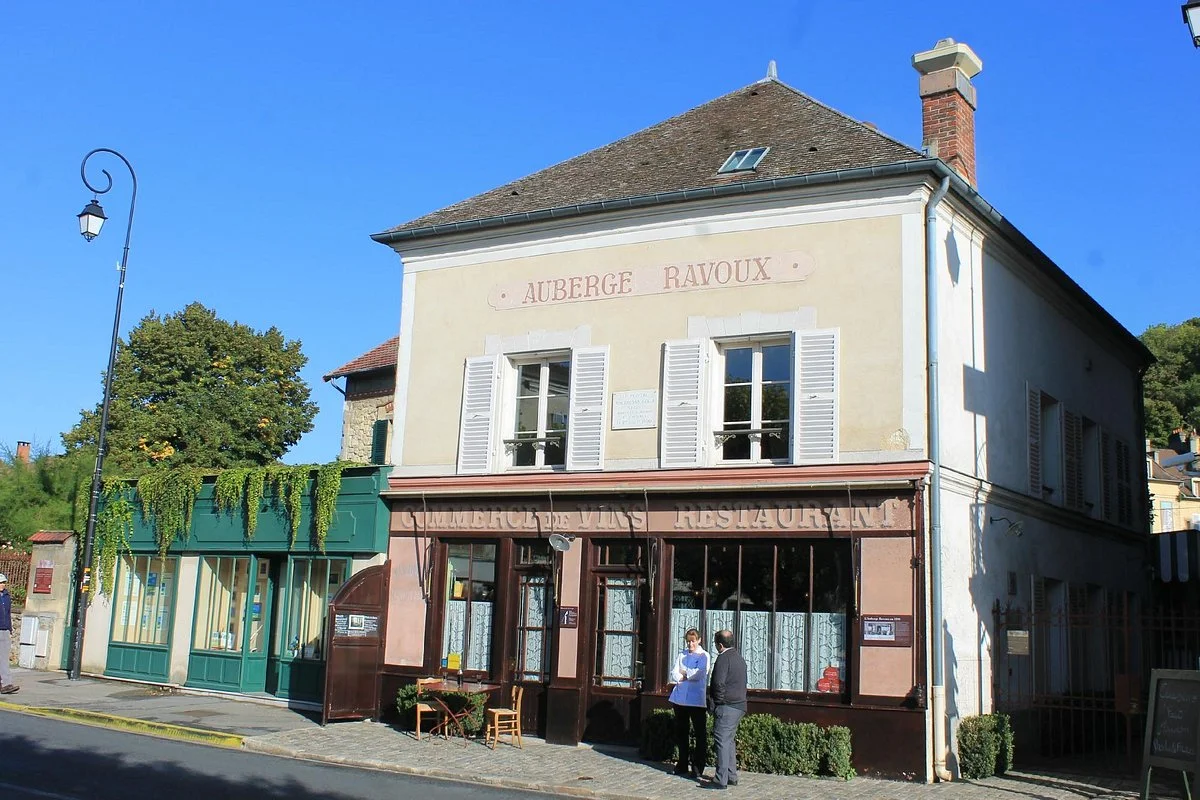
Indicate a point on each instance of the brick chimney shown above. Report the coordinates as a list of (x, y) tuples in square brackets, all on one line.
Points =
[(948, 104), (23, 452)]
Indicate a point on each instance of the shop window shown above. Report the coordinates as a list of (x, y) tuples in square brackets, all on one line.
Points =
[(312, 583), (221, 603), (470, 599), (786, 603), (144, 602), (533, 580), (619, 642)]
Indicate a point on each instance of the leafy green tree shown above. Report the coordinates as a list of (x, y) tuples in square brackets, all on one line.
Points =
[(1172, 386), (39, 495), (191, 389)]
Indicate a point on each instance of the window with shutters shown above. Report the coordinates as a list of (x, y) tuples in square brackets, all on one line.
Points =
[(1072, 449), (379, 440), (1093, 486), (1045, 430), (1124, 481), (766, 399)]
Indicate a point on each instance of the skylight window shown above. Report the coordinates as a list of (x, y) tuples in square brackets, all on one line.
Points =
[(744, 160)]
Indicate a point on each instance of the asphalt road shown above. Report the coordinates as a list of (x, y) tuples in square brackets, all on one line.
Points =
[(46, 759)]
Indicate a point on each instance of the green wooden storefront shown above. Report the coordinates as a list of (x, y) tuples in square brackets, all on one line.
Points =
[(275, 587)]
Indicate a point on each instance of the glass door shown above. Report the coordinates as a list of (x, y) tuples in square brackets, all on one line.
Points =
[(258, 628), (297, 663)]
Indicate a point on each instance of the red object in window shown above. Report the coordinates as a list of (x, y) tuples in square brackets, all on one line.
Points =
[(41, 579)]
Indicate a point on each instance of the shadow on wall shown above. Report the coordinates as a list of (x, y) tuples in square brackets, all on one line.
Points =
[(951, 700)]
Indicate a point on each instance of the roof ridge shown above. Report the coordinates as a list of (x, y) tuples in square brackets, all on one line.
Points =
[(841, 114)]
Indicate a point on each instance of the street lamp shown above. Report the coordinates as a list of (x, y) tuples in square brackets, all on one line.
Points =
[(91, 220), (1191, 15)]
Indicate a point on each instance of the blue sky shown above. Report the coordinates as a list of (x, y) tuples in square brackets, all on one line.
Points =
[(271, 139)]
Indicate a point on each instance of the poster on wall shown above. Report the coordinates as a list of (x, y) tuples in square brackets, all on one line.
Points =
[(886, 631)]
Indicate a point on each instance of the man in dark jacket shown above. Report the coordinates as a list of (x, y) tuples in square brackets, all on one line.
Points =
[(727, 701), (6, 684)]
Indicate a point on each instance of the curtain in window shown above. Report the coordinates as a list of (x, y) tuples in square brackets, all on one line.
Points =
[(791, 632), (620, 610), (533, 635), (479, 648), (454, 627), (754, 641), (681, 620), (828, 649)]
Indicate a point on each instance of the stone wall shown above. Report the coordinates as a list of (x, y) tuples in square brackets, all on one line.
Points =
[(358, 421)]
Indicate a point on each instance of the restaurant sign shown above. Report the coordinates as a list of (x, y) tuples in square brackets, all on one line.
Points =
[(630, 281)]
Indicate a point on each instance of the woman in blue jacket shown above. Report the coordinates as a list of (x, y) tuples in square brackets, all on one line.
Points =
[(690, 675)]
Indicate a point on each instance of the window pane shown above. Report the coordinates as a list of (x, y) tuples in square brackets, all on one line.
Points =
[(560, 379), (531, 636), (721, 590), (617, 642), (524, 455), (776, 403), (737, 404), (756, 600), (467, 624), (791, 618), (776, 446), (527, 416), (739, 364), (736, 448), (620, 554), (529, 380), (687, 599), (556, 452), (534, 553), (777, 362), (556, 413)]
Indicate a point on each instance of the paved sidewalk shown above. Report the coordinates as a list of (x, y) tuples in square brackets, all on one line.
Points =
[(617, 773)]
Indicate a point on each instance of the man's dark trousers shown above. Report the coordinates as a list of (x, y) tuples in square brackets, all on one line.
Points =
[(697, 718), (725, 723)]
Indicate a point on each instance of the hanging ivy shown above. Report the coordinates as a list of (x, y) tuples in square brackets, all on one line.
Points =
[(168, 496), (329, 483), (256, 481), (230, 489), (289, 483), (114, 527)]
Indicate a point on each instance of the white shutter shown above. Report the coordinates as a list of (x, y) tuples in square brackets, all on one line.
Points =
[(1072, 459), (475, 434), (589, 393), (682, 435), (1034, 426), (1106, 476), (815, 396)]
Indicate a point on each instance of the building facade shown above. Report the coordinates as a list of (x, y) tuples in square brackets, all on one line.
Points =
[(758, 367), (367, 408)]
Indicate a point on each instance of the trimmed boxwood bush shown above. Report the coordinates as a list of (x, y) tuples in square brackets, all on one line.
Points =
[(985, 745), (764, 743)]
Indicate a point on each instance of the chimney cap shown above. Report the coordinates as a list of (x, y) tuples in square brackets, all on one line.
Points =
[(945, 54)]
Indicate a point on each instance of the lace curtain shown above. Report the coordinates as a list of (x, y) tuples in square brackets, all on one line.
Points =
[(533, 637), (475, 641), (798, 663), (620, 607)]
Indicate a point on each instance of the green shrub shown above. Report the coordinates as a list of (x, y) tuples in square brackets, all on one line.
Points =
[(764, 743), (406, 701), (985, 745), (836, 752)]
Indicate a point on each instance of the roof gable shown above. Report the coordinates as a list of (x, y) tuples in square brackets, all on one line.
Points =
[(382, 356), (686, 152)]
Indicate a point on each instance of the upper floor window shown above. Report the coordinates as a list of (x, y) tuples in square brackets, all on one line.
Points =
[(771, 399), (545, 411), (756, 402), (541, 413)]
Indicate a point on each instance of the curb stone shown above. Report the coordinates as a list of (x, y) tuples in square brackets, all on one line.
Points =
[(99, 719)]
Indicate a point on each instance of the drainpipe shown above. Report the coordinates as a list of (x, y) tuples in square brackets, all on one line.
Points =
[(937, 693)]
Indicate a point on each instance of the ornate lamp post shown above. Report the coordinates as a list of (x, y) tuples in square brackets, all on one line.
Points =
[(91, 220)]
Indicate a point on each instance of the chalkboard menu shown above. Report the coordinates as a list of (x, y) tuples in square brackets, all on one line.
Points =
[(1173, 722), (355, 625)]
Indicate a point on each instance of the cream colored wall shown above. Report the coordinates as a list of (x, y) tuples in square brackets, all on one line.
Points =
[(95, 637), (1184, 507), (855, 285)]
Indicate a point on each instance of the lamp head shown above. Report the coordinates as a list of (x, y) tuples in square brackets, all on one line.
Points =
[(1191, 15), (561, 542), (91, 220)]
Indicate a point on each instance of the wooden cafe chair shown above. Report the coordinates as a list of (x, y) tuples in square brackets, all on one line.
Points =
[(506, 721), (424, 708)]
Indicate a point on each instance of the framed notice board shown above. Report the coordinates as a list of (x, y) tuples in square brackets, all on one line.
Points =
[(1172, 739)]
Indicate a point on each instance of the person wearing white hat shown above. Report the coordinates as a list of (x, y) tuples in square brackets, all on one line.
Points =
[(6, 684)]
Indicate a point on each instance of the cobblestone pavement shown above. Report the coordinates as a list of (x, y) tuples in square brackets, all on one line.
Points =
[(618, 773)]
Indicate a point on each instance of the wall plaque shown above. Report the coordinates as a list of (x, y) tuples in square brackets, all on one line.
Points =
[(886, 631), (568, 616), (355, 625), (636, 409), (1018, 643), (42, 577)]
